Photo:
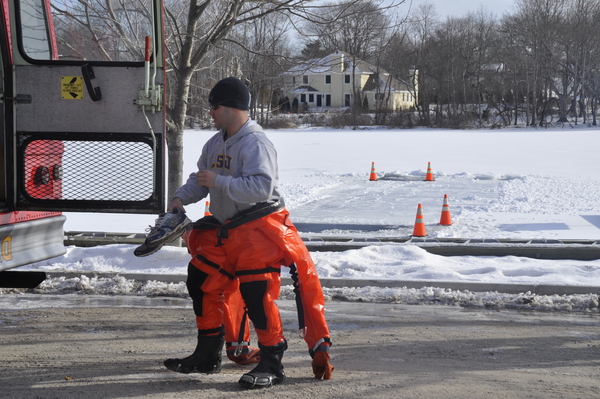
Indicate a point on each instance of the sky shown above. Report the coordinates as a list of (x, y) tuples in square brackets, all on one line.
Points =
[(459, 8), (520, 183)]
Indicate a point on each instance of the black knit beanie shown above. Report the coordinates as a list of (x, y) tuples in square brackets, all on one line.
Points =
[(230, 92)]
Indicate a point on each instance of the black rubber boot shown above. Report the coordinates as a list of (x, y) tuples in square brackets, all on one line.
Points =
[(205, 359), (269, 370)]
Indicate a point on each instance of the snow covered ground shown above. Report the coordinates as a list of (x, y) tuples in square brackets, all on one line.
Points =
[(512, 183)]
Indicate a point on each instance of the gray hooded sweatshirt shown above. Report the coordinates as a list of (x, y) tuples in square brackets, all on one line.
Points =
[(246, 165)]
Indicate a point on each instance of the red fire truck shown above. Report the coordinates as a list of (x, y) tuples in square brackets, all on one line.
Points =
[(82, 122)]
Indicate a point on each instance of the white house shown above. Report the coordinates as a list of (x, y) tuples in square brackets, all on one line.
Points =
[(327, 82)]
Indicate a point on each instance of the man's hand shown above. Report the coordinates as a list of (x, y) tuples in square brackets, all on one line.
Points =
[(176, 203), (206, 178)]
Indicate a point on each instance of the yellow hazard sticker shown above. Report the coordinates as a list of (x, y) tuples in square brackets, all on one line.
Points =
[(72, 87)]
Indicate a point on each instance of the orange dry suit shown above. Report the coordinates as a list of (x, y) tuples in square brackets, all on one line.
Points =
[(251, 248)]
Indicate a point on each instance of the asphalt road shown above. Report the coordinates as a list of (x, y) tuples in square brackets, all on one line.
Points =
[(63, 346)]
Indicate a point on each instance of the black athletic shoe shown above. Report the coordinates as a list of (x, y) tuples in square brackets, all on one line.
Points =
[(168, 227), (145, 250)]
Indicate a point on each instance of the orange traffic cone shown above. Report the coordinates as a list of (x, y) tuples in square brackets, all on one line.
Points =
[(429, 175), (419, 230), (373, 175), (206, 209), (445, 219)]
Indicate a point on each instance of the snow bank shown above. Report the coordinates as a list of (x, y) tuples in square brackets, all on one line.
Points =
[(118, 285)]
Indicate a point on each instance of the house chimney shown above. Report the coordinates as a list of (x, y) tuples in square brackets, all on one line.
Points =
[(336, 61)]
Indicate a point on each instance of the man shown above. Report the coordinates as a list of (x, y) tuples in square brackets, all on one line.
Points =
[(247, 239)]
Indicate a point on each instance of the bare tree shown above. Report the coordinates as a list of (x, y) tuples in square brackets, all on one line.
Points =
[(483, 49), (423, 56), (536, 23), (265, 49), (592, 51), (195, 28), (208, 23), (360, 29), (580, 43), (101, 30)]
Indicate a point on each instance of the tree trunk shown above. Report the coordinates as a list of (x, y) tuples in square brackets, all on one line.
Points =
[(175, 133)]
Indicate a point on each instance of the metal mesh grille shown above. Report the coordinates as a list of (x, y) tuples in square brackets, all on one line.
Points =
[(89, 170)]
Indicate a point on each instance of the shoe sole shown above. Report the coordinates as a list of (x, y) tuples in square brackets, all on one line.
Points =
[(248, 381), (216, 368), (152, 250), (173, 235)]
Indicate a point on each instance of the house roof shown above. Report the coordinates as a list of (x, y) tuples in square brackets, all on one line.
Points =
[(315, 65), (327, 63), (379, 82), (304, 89)]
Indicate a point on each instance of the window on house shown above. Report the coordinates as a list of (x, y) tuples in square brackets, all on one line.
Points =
[(311, 98), (346, 79), (328, 100), (305, 79), (327, 79), (302, 98), (293, 80), (347, 100)]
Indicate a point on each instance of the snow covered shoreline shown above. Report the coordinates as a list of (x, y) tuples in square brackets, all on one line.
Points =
[(429, 295)]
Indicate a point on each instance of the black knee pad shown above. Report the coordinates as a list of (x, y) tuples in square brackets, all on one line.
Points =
[(194, 283), (253, 293)]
